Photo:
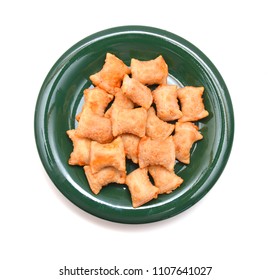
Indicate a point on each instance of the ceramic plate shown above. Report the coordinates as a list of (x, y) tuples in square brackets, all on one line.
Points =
[(61, 97)]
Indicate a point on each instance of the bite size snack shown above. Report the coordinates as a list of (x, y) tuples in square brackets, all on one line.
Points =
[(131, 144), (192, 103), (132, 128), (108, 155), (111, 75), (81, 149), (120, 101), (150, 72), (140, 187), (103, 177), (156, 128), (186, 134), (166, 181), (94, 127), (137, 92), (157, 152), (165, 98), (97, 99), (129, 121)]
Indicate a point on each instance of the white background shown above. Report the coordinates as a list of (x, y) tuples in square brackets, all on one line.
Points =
[(41, 231)]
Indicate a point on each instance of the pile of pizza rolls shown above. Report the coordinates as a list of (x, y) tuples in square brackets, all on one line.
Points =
[(132, 113)]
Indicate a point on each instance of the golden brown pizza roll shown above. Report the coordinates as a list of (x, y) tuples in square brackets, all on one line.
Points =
[(157, 152), (156, 128), (103, 177), (120, 101), (129, 121), (137, 92), (97, 99), (165, 180), (81, 149), (111, 75), (140, 187), (105, 155), (192, 103), (185, 135), (94, 126), (165, 98), (131, 144), (150, 72)]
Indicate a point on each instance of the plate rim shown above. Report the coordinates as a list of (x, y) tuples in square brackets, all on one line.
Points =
[(191, 49)]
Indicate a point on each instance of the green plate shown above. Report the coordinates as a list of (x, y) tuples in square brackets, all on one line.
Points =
[(60, 99)]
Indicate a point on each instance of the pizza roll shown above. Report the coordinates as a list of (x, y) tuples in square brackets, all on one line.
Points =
[(165, 98), (150, 72), (131, 144), (157, 152), (165, 180), (97, 99), (111, 75), (94, 126), (156, 128), (185, 135), (104, 155), (120, 101), (81, 149), (129, 121), (192, 103), (103, 177), (140, 187), (137, 92)]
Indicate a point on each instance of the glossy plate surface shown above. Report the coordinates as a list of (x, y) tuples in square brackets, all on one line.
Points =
[(60, 99)]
